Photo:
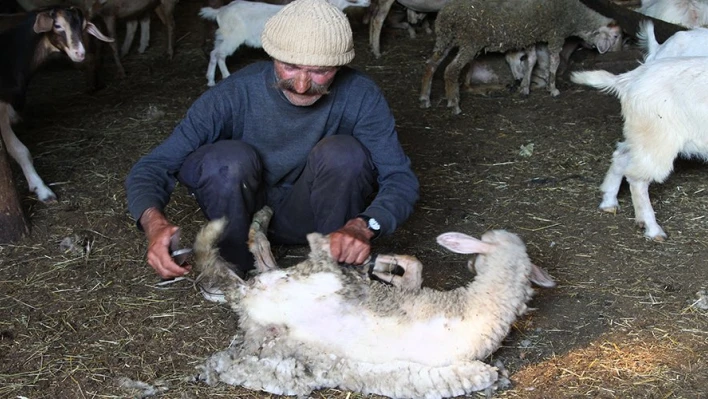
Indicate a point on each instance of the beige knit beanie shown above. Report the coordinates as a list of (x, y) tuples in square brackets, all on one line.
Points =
[(309, 32)]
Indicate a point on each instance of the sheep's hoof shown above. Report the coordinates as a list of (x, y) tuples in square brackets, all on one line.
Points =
[(424, 103), (555, 93)]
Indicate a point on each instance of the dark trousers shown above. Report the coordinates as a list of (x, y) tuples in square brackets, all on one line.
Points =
[(226, 179)]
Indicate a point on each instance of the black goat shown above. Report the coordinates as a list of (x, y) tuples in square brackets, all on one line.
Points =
[(25, 43)]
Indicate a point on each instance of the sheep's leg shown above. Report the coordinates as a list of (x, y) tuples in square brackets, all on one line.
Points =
[(613, 179), (643, 211), (144, 34), (530, 52), (412, 18), (452, 77), (258, 242), (130, 28), (21, 154), (430, 66), (216, 280), (412, 278), (376, 24), (553, 63), (426, 27)]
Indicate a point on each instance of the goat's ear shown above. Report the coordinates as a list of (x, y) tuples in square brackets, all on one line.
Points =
[(463, 244), (43, 23), (541, 277), (93, 30)]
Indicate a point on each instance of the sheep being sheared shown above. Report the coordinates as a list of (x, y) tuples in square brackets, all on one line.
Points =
[(318, 324)]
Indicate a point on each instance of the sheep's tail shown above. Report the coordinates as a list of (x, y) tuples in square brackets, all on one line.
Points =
[(209, 13), (603, 80), (647, 39), (214, 272)]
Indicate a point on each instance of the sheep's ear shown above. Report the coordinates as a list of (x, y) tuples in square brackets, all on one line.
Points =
[(464, 244), (541, 277)]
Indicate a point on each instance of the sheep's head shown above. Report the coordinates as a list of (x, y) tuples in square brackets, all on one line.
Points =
[(605, 39), (500, 242)]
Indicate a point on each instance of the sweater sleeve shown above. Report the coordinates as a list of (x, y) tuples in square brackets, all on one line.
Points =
[(152, 179), (398, 185)]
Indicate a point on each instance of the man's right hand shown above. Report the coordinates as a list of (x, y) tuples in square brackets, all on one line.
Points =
[(159, 231)]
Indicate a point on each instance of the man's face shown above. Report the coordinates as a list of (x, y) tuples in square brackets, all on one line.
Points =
[(303, 85)]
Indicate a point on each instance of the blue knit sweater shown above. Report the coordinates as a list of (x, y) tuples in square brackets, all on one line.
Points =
[(248, 106)]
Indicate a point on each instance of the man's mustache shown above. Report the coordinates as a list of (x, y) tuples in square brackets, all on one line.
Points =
[(315, 88)]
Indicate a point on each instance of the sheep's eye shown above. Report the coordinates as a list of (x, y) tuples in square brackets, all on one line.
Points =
[(58, 27)]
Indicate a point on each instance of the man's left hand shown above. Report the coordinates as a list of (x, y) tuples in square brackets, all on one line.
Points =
[(352, 243)]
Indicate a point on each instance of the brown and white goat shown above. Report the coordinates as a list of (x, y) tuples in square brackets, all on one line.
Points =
[(24, 47), (112, 10)]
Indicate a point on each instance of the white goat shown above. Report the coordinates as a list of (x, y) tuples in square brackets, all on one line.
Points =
[(665, 111), (688, 43), (242, 22), (318, 324), (689, 13)]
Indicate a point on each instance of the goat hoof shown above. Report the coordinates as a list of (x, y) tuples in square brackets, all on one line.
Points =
[(48, 198), (613, 209)]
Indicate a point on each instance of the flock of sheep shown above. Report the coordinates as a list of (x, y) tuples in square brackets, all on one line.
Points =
[(318, 324)]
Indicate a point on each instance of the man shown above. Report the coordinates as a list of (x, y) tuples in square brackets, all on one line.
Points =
[(303, 133)]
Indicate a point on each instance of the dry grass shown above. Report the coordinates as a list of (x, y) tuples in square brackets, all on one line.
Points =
[(81, 313)]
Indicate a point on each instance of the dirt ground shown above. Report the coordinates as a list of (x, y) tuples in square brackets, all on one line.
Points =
[(624, 322)]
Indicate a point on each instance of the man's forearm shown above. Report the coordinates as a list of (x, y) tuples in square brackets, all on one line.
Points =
[(151, 218)]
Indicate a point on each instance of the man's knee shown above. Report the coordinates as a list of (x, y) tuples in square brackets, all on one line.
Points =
[(225, 162), (340, 152)]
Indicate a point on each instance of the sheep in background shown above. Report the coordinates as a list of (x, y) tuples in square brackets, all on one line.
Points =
[(503, 25), (689, 43), (380, 10), (688, 13), (495, 71), (665, 111), (24, 47), (242, 22), (318, 324), (402, 18)]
